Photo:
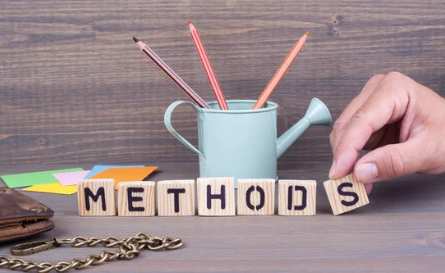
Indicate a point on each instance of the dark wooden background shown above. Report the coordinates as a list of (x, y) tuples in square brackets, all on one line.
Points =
[(75, 89)]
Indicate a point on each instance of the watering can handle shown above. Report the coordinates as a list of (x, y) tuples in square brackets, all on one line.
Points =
[(168, 124)]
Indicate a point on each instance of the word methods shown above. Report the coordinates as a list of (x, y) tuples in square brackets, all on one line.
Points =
[(216, 197)]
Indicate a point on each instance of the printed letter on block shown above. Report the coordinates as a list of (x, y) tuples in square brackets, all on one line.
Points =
[(297, 197), (345, 194), (96, 197), (256, 196), (136, 198), (216, 196), (176, 198)]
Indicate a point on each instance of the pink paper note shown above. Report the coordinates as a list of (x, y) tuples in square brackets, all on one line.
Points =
[(70, 178)]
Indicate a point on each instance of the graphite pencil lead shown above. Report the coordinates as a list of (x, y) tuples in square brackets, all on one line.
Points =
[(135, 39)]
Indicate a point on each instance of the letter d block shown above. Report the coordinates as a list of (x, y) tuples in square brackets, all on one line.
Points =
[(297, 197), (96, 197), (176, 198), (136, 198), (256, 196), (216, 196), (345, 194)]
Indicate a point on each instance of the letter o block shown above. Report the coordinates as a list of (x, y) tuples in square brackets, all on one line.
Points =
[(345, 194), (216, 196), (96, 197), (136, 198), (256, 196), (176, 198), (297, 197)]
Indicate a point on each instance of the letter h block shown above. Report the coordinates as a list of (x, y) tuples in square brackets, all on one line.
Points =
[(176, 198), (136, 198), (96, 197), (297, 197), (216, 196), (256, 196), (345, 194)]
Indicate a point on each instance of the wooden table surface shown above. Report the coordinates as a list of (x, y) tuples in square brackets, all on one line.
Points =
[(401, 230)]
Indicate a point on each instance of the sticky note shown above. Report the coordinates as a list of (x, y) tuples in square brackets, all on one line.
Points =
[(70, 178), (126, 174), (100, 168), (53, 188), (36, 178)]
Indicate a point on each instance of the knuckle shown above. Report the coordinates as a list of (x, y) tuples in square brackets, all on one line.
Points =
[(394, 164), (376, 78), (337, 128)]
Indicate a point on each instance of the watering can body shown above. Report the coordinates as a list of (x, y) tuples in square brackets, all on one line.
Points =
[(241, 142)]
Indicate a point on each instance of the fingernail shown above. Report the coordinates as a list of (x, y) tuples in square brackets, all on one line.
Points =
[(367, 172), (332, 170)]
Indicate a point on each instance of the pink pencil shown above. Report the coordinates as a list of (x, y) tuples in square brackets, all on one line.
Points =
[(164, 67), (208, 68)]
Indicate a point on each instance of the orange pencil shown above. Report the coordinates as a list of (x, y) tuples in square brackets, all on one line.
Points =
[(280, 72), (208, 68)]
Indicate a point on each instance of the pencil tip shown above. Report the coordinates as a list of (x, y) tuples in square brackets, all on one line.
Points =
[(307, 33), (190, 22), (135, 39)]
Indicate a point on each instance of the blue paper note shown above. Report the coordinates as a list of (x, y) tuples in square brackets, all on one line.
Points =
[(100, 168)]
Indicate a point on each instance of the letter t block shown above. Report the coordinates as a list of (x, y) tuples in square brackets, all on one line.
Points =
[(345, 194), (96, 197), (216, 196), (176, 198)]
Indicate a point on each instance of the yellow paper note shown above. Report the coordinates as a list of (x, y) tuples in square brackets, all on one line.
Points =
[(53, 188), (125, 174)]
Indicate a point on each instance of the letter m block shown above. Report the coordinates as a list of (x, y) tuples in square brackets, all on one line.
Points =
[(96, 197)]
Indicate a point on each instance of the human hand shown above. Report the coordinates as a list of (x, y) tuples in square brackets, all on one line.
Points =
[(400, 120)]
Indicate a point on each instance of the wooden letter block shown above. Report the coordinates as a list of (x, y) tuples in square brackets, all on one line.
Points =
[(136, 198), (345, 194), (297, 197), (96, 197), (216, 196), (176, 198), (256, 196)]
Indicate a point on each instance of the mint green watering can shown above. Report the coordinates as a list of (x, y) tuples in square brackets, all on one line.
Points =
[(241, 142)]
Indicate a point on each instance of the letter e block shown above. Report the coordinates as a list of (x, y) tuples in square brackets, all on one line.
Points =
[(256, 196), (216, 196), (136, 198), (96, 197), (176, 198), (345, 194), (297, 197)]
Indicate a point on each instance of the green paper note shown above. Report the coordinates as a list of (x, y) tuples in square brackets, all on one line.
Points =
[(31, 179)]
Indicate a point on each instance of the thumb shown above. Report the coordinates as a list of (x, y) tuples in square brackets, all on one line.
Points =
[(391, 161)]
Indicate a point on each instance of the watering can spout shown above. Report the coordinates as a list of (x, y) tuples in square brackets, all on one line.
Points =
[(316, 114)]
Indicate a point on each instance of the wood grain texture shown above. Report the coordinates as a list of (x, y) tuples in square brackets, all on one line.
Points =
[(299, 205), (401, 230), (146, 203), (75, 88), (184, 205), (221, 193), (100, 189), (252, 195), (342, 203)]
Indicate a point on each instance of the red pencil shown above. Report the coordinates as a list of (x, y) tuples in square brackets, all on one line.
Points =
[(208, 68), (164, 67), (280, 72)]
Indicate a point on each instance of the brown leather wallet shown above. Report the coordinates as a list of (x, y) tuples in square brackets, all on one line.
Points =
[(21, 216)]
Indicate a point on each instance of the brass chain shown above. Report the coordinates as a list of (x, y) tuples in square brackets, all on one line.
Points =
[(128, 249)]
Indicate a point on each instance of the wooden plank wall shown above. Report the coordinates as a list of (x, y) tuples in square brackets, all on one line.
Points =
[(75, 89)]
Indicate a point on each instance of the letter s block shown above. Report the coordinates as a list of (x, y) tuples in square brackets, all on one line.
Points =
[(136, 198), (256, 196), (176, 198), (345, 194), (216, 196), (297, 197), (96, 197)]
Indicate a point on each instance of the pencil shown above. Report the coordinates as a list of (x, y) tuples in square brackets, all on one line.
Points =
[(164, 67), (208, 68), (280, 72)]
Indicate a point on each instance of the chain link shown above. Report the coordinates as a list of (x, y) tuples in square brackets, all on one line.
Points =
[(128, 249)]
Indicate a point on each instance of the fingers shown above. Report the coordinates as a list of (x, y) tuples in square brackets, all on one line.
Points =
[(386, 105), (354, 105), (391, 161)]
